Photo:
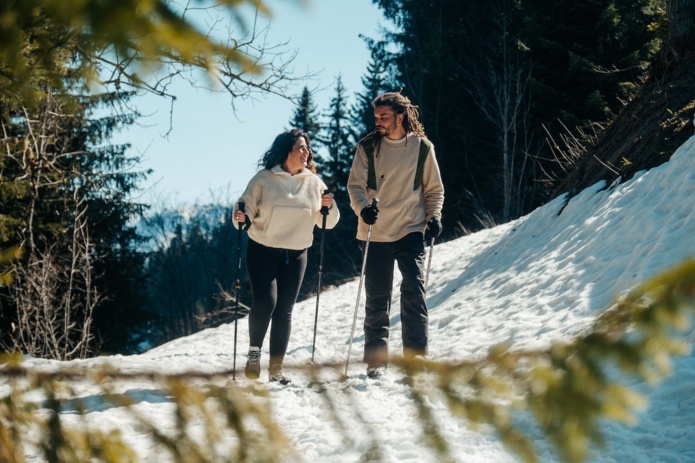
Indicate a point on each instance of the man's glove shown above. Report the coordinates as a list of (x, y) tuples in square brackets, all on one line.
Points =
[(434, 228), (370, 213)]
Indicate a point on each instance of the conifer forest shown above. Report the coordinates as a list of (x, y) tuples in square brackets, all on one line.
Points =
[(523, 99)]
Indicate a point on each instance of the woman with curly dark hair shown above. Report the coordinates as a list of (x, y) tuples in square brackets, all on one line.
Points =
[(283, 203)]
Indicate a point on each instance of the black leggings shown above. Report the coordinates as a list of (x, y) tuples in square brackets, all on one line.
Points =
[(275, 276)]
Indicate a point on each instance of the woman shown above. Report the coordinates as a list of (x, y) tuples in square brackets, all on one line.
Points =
[(282, 204)]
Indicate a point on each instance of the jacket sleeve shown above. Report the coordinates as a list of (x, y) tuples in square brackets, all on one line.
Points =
[(357, 181), (251, 197), (333, 216), (333, 213), (432, 187)]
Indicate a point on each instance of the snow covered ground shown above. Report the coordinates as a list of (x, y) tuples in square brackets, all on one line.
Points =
[(539, 279)]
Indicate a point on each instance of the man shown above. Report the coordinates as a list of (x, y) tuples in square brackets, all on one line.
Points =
[(397, 165)]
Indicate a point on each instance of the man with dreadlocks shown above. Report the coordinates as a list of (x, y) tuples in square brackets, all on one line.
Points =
[(396, 164)]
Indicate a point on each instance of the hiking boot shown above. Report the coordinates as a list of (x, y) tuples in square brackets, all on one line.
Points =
[(376, 371), (253, 364), (275, 374)]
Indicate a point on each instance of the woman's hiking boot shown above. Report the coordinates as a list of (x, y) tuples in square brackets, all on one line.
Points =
[(253, 364), (275, 374)]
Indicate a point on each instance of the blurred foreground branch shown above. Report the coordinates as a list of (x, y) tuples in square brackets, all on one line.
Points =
[(142, 44), (567, 389)]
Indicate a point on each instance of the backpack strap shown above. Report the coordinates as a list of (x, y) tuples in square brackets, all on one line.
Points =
[(371, 171), (425, 146)]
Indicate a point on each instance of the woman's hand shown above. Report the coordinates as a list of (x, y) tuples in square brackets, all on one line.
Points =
[(327, 200), (240, 216)]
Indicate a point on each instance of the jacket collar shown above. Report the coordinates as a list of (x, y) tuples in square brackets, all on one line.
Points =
[(279, 171)]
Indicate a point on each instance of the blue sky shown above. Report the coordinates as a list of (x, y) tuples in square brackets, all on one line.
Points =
[(211, 151)]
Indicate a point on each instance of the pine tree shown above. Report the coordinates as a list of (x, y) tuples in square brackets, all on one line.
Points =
[(65, 199), (587, 57), (585, 60), (498, 81), (336, 137), (681, 27), (341, 261), (111, 178), (378, 79), (305, 116)]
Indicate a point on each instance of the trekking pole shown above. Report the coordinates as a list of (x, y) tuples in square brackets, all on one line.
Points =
[(429, 263), (237, 287), (324, 213), (359, 290)]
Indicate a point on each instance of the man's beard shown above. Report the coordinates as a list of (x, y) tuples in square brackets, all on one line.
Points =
[(386, 130)]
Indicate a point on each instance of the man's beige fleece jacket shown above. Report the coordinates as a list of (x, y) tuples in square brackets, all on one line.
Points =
[(284, 208), (402, 210)]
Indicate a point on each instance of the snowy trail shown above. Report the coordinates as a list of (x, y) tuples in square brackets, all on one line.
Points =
[(539, 279)]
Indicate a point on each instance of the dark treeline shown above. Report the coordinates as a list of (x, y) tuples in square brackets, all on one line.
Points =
[(497, 84), (495, 80), (192, 270), (504, 89)]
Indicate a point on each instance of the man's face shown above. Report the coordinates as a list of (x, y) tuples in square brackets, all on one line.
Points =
[(386, 120)]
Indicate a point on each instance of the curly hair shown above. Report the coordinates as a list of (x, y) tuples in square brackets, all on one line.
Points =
[(282, 147)]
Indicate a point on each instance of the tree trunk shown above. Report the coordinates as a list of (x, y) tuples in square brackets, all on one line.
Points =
[(681, 27)]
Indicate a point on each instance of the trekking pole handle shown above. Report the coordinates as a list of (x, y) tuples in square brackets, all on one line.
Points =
[(242, 208), (324, 209)]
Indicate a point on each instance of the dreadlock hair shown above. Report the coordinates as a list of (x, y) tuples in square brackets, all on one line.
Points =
[(402, 105), (282, 147)]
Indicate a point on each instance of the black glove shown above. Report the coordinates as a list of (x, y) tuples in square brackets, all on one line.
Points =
[(370, 213), (434, 228)]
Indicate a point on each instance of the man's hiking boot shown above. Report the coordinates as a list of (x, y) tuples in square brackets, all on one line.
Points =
[(376, 371), (253, 364), (275, 374)]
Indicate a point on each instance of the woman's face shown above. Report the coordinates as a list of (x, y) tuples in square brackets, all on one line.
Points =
[(298, 157)]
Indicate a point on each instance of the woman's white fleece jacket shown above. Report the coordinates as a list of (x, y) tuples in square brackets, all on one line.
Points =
[(284, 208)]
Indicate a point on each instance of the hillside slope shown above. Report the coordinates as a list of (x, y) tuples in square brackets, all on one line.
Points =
[(643, 135)]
